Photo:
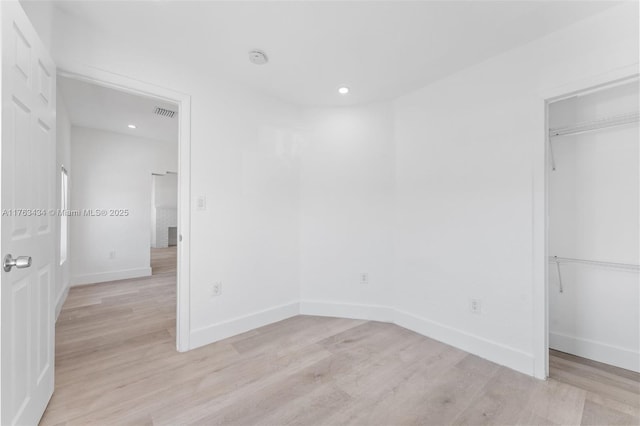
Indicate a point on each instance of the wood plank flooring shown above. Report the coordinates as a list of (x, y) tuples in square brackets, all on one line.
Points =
[(116, 363), (163, 260)]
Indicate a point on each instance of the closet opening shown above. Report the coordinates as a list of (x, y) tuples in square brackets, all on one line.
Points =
[(593, 235)]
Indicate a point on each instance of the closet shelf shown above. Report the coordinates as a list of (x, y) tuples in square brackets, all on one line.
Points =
[(611, 265), (602, 123)]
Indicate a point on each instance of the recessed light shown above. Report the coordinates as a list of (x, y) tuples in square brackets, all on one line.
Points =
[(131, 126), (343, 90)]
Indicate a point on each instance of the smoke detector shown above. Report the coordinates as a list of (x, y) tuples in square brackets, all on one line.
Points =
[(258, 57)]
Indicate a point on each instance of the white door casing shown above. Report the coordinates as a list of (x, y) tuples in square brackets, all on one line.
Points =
[(27, 182)]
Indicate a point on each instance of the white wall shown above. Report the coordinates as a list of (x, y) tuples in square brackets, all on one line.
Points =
[(243, 160), (113, 171), (593, 215), (346, 208), (466, 150), (63, 158), (166, 190)]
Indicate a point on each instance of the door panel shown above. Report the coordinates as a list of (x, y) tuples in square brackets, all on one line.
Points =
[(43, 338), (19, 146), (44, 170), (20, 346), (27, 195), (45, 83), (22, 52)]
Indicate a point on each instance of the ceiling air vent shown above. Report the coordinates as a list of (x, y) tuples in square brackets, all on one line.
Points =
[(165, 112)]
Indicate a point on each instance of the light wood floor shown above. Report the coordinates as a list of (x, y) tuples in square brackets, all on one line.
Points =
[(116, 363), (163, 260)]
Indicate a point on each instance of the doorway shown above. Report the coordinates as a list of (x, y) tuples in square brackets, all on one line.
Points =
[(181, 105), (593, 180)]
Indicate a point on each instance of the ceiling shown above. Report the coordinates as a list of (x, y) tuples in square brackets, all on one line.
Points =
[(98, 107), (380, 49)]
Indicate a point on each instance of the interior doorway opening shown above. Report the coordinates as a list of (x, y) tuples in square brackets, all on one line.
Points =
[(170, 104)]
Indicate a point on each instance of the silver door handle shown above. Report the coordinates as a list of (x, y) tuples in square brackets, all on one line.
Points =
[(19, 262)]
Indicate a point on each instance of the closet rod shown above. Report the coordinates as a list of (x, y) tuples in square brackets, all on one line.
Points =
[(603, 123), (613, 265)]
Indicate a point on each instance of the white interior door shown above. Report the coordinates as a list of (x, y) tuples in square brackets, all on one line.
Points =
[(27, 182)]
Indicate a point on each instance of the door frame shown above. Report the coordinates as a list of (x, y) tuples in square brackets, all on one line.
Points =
[(541, 174), (137, 87)]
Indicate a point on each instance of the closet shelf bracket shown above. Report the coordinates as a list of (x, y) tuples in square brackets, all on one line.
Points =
[(589, 126), (560, 287), (631, 267), (601, 123)]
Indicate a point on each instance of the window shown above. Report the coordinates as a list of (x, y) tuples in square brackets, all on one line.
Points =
[(64, 207)]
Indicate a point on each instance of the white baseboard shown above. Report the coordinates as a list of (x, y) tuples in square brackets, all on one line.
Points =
[(347, 310), (100, 277), (484, 348), (222, 330), (61, 300), (488, 349), (597, 351)]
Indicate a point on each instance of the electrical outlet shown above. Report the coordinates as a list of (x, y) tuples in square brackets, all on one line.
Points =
[(112, 254), (364, 278), (475, 306), (216, 289), (201, 202)]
